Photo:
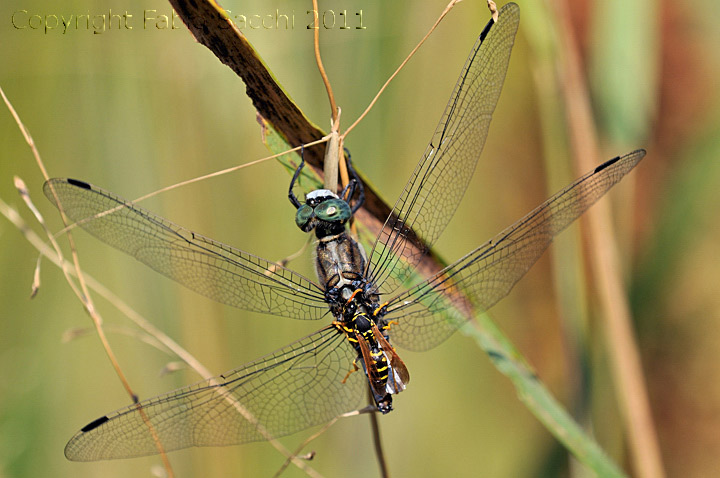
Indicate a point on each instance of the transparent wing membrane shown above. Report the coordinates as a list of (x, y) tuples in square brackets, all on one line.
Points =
[(439, 181), (296, 387), (429, 312), (215, 270)]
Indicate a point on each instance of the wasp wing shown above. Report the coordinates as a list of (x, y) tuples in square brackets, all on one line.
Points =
[(398, 376), (370, 367)]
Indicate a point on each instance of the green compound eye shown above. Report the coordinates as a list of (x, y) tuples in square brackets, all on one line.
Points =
[(303, 217), (333, 210)]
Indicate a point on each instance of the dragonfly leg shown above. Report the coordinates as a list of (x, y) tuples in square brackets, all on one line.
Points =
[(291, 195), (387, 326), (357, 184), (354, 369), (381, 309)]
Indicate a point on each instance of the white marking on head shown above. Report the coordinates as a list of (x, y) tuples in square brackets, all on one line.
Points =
[(320, 193)]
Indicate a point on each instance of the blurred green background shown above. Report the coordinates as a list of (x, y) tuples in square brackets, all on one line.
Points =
[(135, 110)]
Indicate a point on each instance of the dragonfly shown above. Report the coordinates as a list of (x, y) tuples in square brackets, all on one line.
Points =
[(313, 380)]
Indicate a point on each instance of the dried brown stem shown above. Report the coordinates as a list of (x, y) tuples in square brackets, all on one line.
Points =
[(134, 316), (321, 68), (625, 358), (402, 65), (377, 441), (83, 293), (228, 170), (84, 296)]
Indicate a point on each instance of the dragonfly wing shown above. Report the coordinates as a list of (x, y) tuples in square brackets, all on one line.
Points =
[(291, 389), (439, 181), (429, 312), (215, 270)]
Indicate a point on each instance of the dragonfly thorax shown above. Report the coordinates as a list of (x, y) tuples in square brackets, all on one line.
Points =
[(323, 211)]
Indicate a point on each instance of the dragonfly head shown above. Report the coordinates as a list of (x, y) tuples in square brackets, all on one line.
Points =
[(323, 211)]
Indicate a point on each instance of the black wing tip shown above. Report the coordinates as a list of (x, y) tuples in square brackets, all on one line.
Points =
[(78, 183), (606, 164), (495, 354), (507, 8), (638, 154), (94, 424), (486, 30)]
